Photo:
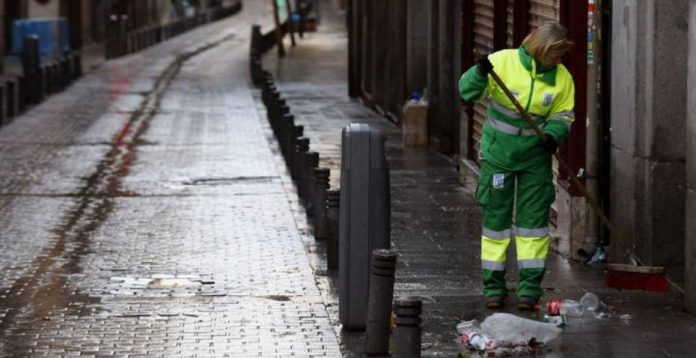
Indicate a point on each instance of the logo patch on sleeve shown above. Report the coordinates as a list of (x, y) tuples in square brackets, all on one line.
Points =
[(498, 181), (548, 98)]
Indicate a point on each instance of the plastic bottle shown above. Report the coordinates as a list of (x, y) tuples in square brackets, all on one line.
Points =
[(572, 308), (590, 301)]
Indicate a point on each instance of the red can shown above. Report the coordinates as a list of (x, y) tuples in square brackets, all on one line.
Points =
[(553, 308)]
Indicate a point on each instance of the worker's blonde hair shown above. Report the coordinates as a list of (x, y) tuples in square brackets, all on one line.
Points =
[(547, 43)]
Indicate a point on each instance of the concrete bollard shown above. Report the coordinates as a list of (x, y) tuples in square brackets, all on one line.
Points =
[(307, 180), (379, 304), (407, 334), (301, 147), (321, 184), (333, 201)]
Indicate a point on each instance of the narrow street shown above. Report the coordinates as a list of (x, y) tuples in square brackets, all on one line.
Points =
[(146, 212), (143, 214)]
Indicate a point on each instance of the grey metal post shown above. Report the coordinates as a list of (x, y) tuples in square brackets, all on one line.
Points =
[(333, 201), (365, 217), (380, 302), (321, 184), (311, 161), (407, 334)]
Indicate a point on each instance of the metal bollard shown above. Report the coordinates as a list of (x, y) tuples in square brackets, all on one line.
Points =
[(301, 147), (321, 184), (287, 127), (280, 110), (307, 180), (77, 65), (55, 78), (64, 72), (31, 67), (379, 304), (3, 118), (30, 57), (333, 201), (45, 80), (12, 102), (21, 94), (407, 334), (298, 132)]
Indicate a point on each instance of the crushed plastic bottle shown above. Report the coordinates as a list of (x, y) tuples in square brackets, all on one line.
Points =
[(590, 301), (508, 330), (572, 308)]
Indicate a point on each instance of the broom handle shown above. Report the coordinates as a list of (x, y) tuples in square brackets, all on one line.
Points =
[(565, 167)]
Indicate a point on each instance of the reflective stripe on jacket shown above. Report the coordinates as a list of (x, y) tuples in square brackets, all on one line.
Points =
[(547, 94)]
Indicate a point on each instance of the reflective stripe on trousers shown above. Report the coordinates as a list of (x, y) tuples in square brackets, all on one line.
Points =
[(532, 248)]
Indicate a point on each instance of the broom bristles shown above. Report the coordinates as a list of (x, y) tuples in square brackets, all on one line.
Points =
[(636, 281)]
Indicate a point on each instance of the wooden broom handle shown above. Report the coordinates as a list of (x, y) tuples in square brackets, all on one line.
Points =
[(565, 167)]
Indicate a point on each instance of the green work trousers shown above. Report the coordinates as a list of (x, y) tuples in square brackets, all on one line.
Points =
[(528, 189)]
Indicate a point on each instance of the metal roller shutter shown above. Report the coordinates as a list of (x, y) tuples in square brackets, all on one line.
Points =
[(543, 11), (510, 22), (483, 43)]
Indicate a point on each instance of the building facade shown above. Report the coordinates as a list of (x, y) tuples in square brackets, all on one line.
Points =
[(633, 139)]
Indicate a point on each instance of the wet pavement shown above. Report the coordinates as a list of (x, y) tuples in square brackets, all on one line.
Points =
[(146, 211), (143, 214)]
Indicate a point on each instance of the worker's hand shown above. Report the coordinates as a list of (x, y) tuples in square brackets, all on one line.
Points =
[(549, 143), (484, 66)]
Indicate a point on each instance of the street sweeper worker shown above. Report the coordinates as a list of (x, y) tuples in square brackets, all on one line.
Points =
[(515, 162)]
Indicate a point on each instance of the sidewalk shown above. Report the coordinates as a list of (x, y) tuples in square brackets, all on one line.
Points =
[(436, 226), (143, 215)]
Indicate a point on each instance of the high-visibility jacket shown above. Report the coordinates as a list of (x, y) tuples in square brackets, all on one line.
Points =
[(547, 94)]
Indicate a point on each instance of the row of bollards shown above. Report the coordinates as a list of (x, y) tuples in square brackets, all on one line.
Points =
[(124, 42), (312, 182), (406, 335), (38, 80), (325, 212)]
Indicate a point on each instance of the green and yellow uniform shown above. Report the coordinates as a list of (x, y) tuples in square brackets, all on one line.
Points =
[(515, 168)]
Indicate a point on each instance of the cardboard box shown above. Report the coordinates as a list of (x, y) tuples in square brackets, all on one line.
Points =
[(414, 125)]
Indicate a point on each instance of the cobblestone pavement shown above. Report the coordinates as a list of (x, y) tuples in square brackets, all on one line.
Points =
[(436, 228), (143, 213)]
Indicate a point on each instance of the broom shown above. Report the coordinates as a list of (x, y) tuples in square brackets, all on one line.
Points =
[(634, 276)]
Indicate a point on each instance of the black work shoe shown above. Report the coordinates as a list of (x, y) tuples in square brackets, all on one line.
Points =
[(525, 303), (494, 302)]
